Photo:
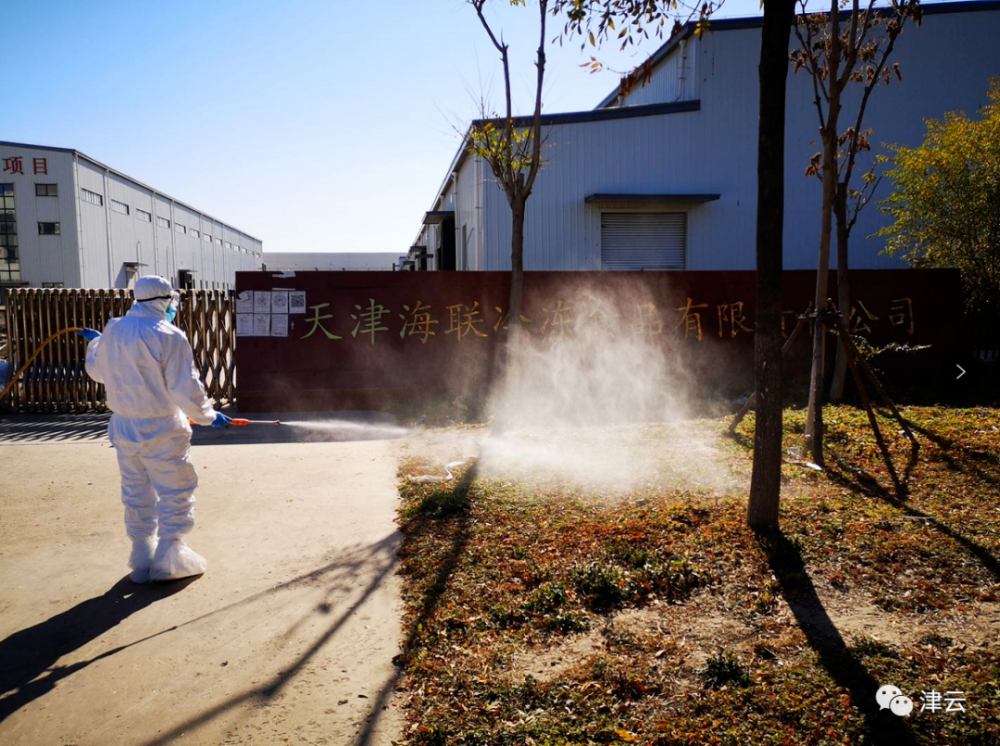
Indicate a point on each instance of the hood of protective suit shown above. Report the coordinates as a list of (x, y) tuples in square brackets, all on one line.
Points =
[(155, 292)]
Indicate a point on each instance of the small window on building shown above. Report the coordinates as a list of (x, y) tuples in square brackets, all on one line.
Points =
[(143, 215), (92, 197), (162, 222), (180, 228), (119, 207), (228, 245), (218, 241), (10, 267), (46, 190), (207, 237), (48, 229), (195, 233), (53, 285)]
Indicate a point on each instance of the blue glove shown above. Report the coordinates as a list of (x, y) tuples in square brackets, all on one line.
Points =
[(221, 420), (89, 334)]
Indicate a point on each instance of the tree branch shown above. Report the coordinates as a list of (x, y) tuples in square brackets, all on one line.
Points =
[(903, 11), (811, 67), (536, 121)]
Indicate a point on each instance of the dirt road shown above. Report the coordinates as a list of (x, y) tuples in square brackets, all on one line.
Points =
[(288, 638)]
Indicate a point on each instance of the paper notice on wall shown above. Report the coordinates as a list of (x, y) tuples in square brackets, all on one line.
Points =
[(244, 302), (262, 325), (297, 301), (279, 301), (279, 325), (244, 323), (261, 301)]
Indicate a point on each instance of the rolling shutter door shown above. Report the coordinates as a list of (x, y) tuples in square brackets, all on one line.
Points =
[(643, 240)]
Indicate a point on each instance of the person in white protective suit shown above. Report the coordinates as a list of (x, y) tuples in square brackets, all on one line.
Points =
[(147, 367)]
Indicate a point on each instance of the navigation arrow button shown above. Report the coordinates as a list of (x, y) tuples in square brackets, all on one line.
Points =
[(961, 369)]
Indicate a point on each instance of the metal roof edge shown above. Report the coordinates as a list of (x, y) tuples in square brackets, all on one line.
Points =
[(36, 147), (737, 24), (601, 115), (580, 117), (456, 163), (116, 172)]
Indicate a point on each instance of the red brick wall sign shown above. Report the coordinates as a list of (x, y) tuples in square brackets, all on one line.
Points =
[(343, 340)]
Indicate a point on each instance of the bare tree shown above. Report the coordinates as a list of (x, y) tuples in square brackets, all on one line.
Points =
[(765, 482), (595, 21), (512, 151), (837, 51)]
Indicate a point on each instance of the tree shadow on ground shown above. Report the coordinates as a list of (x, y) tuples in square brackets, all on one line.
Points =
[(825, 639), (28, 657), (841, 473), (981, 465), (451, 505), (338, 574)]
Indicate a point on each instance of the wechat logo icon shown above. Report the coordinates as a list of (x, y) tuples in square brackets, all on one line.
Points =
[(891, 698)]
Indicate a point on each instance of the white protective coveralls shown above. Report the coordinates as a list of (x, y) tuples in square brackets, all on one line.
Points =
[(147, 367)]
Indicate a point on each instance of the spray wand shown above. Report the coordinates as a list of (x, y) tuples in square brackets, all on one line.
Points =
[(243, 423)]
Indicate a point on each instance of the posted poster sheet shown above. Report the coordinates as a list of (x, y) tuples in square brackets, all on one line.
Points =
[(244, 302), (279, 325), (262, 325), (244, 324), (261, 301), (279, 301), (297, 301)]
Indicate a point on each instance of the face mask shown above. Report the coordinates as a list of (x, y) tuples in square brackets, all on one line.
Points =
[(171, 313)]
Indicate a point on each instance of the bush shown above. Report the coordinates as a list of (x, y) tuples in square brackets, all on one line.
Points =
[(724, 670), (603, 586)]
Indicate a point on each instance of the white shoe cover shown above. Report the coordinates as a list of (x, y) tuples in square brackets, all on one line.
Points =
[(141, 559), (175, 560)]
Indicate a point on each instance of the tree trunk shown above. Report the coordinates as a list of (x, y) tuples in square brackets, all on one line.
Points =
[(505, 354), (814, 419), (843, 291), (765, 483), (516, 262)]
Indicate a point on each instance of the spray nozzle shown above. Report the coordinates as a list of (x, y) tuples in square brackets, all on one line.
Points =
[(243, 423)]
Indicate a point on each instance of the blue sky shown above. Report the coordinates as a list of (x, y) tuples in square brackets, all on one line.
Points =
[(314, 125)]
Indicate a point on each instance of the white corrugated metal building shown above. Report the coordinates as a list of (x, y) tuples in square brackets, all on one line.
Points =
[(67, 220), (666, 177), (329, 261)]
